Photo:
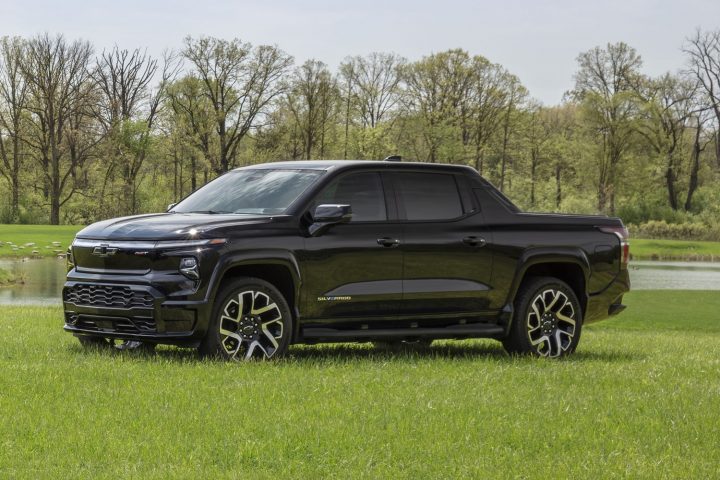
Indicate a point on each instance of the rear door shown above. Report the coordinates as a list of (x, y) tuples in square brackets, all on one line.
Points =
[(446, 267), (353, 271)]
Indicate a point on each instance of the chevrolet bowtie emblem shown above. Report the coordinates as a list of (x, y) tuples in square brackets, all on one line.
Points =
[(104, 250)]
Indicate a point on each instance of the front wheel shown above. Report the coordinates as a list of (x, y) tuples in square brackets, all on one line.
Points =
[(251, 320), (547, 319)]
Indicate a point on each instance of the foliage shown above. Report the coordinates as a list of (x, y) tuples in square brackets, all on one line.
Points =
[(136, 133), (672, 250)]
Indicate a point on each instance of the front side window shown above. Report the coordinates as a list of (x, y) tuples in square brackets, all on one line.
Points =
[(250, 191), (362, 191), (428, 196)]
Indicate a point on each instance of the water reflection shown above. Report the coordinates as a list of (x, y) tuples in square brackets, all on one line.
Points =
[(43, 279), (651, 275)]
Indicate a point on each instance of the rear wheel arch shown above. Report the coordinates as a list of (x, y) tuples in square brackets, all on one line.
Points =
[(571, 269)]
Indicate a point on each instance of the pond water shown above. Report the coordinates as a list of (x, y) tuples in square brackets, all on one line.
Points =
[(44, 279)]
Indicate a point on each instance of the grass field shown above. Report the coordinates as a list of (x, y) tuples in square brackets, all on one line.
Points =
[(686, 250), (41, 235), (640, 399)]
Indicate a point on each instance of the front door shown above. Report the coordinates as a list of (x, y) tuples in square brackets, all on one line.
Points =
[(353, 271)]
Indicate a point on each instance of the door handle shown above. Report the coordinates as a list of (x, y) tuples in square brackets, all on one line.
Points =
[(474, 241), (388, 242)]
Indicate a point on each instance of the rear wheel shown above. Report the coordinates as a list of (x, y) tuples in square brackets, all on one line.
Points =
[(251, 320), (547, 319)]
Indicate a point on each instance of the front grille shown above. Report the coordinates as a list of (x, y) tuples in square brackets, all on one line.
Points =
[(102, 323), (107, 296)]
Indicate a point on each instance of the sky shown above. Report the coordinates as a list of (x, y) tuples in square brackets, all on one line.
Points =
[(538, 41)]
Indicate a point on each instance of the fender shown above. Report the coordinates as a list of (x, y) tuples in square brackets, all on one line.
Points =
[(257, 257), (542, 255)]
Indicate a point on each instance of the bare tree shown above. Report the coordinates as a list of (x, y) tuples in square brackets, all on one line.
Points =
[(375, 85), (241, 83), (703, 50), (128, 107), (61, 88), (13, 102)]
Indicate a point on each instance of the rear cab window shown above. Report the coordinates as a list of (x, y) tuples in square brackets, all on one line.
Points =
[(428, 196)]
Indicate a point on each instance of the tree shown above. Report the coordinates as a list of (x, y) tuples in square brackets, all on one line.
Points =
[(192, 124), (61, 91), (606, 84), (669, 104), (703, 50), (311, 99), (241, 83), (375, 85), (127, 110), (516, 94), (13, 104), (489, 98), (438, 93)]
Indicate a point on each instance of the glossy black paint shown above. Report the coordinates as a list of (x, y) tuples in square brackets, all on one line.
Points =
[(453, 278)]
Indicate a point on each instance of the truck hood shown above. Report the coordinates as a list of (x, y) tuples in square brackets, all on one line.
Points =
[(170, 226)]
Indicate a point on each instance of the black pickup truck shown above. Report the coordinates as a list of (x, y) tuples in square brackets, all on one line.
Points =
[(334, 251)]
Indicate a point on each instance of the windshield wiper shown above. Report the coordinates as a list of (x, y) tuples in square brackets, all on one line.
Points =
[(210, 212)]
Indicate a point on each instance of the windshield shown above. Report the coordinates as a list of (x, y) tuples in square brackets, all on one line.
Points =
[(248, 191)]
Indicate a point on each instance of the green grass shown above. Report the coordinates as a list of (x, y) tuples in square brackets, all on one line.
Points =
[(6, 278), (640, 399), (687, 250), (41, 235)]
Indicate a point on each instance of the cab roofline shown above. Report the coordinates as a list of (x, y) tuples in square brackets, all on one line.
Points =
[(347, 164)]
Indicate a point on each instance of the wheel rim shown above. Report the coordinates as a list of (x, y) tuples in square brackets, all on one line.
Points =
[(250, 326), (551, 323)]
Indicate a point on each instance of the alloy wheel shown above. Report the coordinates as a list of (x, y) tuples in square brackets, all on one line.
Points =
[(551, 323), (250, 326)]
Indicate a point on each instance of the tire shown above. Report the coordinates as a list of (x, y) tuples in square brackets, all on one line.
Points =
[(403, 345), (250, 320), (547, 319)]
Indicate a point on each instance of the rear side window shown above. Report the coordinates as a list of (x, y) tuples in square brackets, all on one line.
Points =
[(362, 191), (428, 196)]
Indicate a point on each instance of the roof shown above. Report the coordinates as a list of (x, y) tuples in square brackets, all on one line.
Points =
[(343, 164)]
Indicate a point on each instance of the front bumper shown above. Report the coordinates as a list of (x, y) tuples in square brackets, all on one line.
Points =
[(113, 309)]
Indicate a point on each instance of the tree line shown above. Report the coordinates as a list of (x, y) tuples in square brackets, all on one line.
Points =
[(86, 135)]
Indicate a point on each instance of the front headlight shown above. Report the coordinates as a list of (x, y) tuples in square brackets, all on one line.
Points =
[(189, 267)]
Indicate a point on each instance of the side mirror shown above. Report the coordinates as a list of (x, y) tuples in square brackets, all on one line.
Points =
[(170, 207), (328, 215)]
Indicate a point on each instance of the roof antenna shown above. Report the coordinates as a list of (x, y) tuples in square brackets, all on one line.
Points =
[(393, 158)]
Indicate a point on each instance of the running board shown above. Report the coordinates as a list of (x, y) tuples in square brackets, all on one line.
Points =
[(452, 331)]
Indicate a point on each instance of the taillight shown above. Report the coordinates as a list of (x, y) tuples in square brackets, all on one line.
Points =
[(624, 236)]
